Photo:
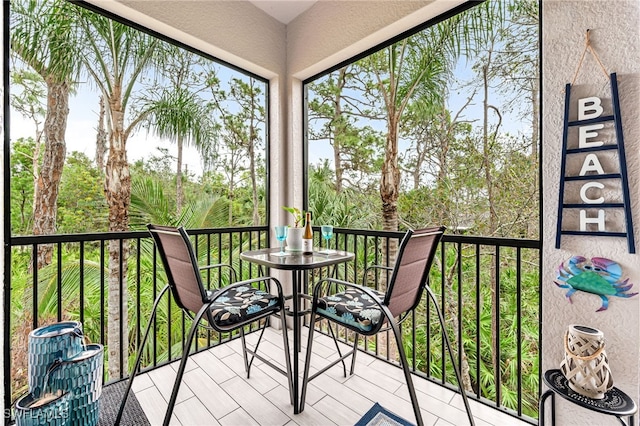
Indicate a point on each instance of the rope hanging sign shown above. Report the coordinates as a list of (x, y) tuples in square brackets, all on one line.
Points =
[(589, 48)]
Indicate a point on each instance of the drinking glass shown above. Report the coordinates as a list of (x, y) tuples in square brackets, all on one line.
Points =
[(327, 233), (281, 235)]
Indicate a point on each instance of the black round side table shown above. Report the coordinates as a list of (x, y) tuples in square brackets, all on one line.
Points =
[(615, 402)]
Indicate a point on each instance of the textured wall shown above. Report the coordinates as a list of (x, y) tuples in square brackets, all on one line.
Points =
[(615, 37)]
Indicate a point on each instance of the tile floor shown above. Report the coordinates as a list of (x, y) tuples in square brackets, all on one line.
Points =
[(215, 391)]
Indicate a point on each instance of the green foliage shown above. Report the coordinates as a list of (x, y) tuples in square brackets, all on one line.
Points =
[(81, 204), (298, 215), (22, 186), (349, 208)]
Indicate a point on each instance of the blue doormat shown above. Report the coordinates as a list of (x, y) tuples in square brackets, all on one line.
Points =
[(380, 416)]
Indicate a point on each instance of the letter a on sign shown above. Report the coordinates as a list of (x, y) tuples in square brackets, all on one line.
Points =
[(591, 164)]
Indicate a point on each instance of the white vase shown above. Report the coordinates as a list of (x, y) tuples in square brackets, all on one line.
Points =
[(585, 363), (294, 239)]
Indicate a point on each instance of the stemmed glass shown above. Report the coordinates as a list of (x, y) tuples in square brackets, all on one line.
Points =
[(281, 235), (327, 233)]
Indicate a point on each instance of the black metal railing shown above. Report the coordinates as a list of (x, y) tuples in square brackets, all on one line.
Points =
[(75, 286), (489, 292), (488, 289)]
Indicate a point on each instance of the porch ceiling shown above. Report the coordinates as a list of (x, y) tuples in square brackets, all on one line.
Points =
[(284, 10), (279, 37)]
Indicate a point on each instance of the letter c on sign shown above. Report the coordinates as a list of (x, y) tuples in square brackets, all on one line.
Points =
[(583, 193)]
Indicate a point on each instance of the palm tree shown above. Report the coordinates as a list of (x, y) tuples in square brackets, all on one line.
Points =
[(116, 57), (177, 112), (420, 63), (418, 66), (44, 36)]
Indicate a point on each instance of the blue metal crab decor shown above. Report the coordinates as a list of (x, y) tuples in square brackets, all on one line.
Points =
[(597, 276)]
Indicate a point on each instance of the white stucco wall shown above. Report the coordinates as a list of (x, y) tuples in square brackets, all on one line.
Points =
[(615, 36)]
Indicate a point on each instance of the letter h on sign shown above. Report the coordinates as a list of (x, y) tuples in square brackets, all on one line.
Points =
[(590, 121)]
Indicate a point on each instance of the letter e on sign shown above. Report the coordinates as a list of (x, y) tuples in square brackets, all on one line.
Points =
[(585, 132)]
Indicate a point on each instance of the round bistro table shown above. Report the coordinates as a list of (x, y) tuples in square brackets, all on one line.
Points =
[(615, 402)]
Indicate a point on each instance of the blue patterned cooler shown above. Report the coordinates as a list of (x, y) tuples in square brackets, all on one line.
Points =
[(81, 375), (31, 411), (47, 344)]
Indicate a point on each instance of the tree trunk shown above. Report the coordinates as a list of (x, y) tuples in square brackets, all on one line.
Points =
[(36, 175), (179, 192), (118, 194), (535, 110), (389, 188), (45, 204), (495, 359), (254, 182), (390, 179), (101, 138), (252, 157), (450, 313), (231, 193), (338, 130)]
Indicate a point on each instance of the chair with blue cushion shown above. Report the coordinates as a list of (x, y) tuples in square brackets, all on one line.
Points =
[(225, 309), (365, 311)]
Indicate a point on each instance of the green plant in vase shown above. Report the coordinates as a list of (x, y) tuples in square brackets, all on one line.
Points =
[(298, 216), (294, 236)]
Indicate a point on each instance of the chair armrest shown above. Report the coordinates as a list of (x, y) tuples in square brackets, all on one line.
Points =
[(329, 281), (366, 271), (233, 273)]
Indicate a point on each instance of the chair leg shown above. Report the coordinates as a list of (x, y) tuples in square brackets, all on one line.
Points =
[(453, 361), (248, 362), (244, 351), (139, 357), (335, 341), (405, 367), (355, 352), (183, 364)]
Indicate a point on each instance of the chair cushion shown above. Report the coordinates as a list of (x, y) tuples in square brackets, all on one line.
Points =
[(353, 309), (240, 304)]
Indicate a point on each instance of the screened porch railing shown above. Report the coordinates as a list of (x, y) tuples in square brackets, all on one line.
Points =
[(488, 289)]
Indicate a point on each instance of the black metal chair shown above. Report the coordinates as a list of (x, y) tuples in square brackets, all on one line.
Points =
[(225, 309), (365, 311)]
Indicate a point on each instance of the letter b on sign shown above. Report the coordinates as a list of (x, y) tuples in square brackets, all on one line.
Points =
[(589, 108)]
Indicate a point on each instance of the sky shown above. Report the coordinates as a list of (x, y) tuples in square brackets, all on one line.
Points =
[(81, 133)]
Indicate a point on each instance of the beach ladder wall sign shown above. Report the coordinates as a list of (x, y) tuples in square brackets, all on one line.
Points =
[(593, 206)]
